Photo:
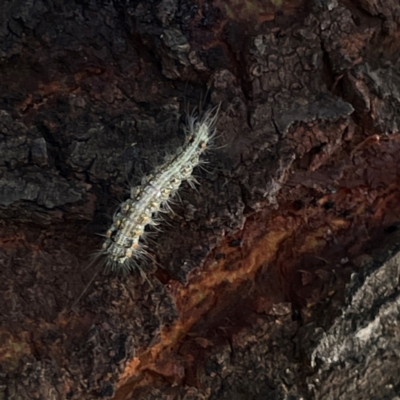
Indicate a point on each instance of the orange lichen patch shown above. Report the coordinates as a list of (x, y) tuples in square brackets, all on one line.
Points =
[(314, 240), (132, 367), (202, 294)]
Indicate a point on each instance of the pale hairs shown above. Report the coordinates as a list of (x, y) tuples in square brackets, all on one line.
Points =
[(124, 245)]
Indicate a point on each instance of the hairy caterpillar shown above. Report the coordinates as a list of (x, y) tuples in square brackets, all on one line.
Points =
[(124, 240), (124, 245)]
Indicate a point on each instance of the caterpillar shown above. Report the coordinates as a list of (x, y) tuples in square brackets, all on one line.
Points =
[(124, 243)]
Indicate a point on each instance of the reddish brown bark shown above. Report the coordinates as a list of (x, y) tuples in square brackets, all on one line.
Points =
[(248, 295)]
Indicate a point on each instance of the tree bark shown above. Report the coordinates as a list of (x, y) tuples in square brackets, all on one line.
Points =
[(279, 277)]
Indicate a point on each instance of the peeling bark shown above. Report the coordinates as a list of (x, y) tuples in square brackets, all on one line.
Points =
[(279, 277)]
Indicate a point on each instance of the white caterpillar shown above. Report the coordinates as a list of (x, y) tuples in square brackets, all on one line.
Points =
[(123, 245)]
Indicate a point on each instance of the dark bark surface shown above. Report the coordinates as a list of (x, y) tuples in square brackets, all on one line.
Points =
[(279, 277)]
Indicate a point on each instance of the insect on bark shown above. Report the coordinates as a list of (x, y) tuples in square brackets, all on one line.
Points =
[(124, 244)]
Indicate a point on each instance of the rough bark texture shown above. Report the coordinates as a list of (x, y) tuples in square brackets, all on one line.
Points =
[(279, 278)]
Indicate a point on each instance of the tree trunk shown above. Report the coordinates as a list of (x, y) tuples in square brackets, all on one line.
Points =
[(247, 291)]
